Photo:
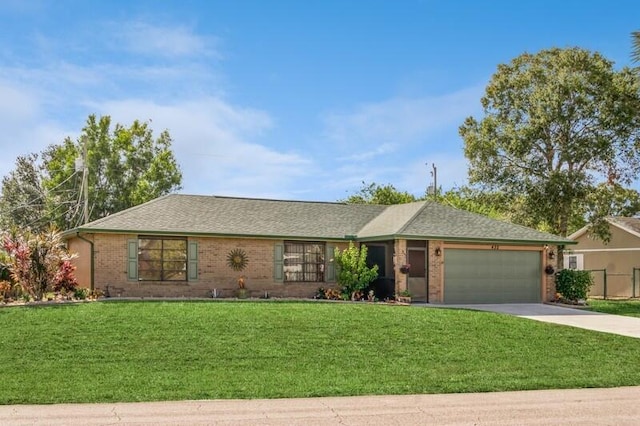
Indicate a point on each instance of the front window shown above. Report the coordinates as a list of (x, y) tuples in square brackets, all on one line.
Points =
[(303, 262), (162, 259)]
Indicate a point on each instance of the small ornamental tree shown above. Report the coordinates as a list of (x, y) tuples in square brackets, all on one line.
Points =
[(39, 262), (353, 273)]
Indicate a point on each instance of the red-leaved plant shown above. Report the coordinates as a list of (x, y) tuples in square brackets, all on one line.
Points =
[(39, 262), (65, 280)]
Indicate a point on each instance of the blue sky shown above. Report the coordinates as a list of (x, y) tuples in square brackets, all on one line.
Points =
[(282, 99)]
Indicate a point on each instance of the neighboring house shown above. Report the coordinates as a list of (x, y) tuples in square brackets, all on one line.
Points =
[(620, 257), (179, 245)]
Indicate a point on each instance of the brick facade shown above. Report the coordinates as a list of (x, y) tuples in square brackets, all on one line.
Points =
[(110, 251), (110, 258)]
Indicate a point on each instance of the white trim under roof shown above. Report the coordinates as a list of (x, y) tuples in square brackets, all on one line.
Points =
[(580, 232), (624, 228), (601, 250)]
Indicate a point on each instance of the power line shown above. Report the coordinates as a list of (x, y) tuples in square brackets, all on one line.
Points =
[(42, 196)]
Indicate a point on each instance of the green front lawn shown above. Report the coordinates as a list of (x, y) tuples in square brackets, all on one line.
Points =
[(143, 351), (617, 307)]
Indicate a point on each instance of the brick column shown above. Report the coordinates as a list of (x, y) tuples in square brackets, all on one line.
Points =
[(400, 257), (549, 292), (436, 266)]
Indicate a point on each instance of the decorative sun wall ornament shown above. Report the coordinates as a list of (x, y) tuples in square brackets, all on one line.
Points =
[(237, 259)]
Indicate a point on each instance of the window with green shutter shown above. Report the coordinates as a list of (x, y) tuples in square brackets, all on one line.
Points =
[(132, 260), (330, 267), (304, 261), (278, 262), (162, 259), (193, 261)]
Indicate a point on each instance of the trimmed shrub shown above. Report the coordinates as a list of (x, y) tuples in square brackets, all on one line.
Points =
[(573, 285)]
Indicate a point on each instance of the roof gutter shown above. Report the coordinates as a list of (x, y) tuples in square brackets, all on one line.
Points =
[(477, 240), (92, 281)]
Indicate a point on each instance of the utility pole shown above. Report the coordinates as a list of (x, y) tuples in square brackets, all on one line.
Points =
[(434, 173), (435, 180), (85, 181)]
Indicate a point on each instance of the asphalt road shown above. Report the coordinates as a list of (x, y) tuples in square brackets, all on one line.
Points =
[(616, 406)]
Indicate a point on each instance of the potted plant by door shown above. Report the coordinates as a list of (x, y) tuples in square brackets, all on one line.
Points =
[(403, 296), (242, 291)]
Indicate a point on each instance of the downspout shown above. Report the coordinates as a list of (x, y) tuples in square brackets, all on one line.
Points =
[(92, 258)]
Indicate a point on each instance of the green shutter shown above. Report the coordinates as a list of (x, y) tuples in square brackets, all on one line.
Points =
[(192, 266), (278, 262), (132, 260), (330, 264)]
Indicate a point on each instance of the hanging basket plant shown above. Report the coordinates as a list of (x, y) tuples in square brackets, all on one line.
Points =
[(237, 259)]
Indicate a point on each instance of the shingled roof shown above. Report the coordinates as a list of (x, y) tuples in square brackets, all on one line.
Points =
[(248, 217), (447, 223), (227, 216), (628, 224)]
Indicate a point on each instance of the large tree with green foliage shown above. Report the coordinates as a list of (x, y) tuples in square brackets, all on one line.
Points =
[(463, 198), (23, 202), (557, 125), (379, 194), (469, 199), (126, 166), (635, 49)]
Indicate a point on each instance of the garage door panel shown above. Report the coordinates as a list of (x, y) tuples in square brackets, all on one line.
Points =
[(492, 276)]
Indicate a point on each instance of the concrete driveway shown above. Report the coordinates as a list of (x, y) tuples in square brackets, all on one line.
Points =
[(607, 323)]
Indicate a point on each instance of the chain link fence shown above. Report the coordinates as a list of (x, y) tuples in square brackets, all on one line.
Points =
[(615, 285)]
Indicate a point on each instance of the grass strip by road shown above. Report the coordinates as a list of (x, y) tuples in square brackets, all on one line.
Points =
[(617, 307), (145, 351)]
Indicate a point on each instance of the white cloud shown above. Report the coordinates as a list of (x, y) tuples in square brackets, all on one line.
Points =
[(385, 148), (16, 104), (390, 142), (25, 129), (213, 141), (168, 41), (220, 146), (394, 123), (165, 74)]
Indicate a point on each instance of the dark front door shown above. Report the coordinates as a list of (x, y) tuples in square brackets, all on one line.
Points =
[(376, 255), (383, 286), (417, 280)]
